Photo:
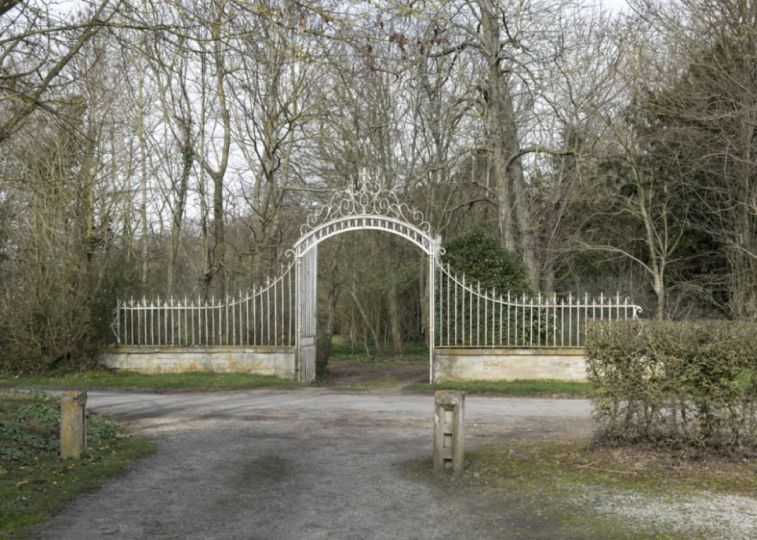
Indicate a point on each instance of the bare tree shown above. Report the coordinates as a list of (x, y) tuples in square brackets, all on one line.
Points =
[(35, 49)]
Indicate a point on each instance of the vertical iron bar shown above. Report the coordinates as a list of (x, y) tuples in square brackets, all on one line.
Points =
[(499, 342), (554, 319), (609, 309), (282, 310), (448, 309), (233, 323), (437, 292), (131, 321), (462, 313), (152, 323), (494, 316), (144, 321), (455, 297), (531, 321), (508, 318), (486, 320), (470, 315), (268, 313), (275, 314), (478, 313), (586, 317), (212, 310), (516, 343), (157, 306), (118, 322)]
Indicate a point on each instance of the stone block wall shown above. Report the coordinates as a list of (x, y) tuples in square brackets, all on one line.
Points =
[(277, 361), (565, 364)]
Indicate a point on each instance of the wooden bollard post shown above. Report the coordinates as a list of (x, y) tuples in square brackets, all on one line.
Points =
[(448, 430), (73, 424)]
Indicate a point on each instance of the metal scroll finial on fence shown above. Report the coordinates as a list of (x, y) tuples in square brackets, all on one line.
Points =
[(369, 198)]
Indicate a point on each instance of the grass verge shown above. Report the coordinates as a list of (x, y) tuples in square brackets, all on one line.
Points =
[(638, 468), (34, 481), (530, 388), (373, 384), (194, 382), (589, 491), (341, 349)]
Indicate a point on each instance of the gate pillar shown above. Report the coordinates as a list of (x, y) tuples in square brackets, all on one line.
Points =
[(306, 268), (434, 258)]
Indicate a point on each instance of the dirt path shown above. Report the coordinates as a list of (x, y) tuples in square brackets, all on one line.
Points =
[(309, 463), (347, 372)]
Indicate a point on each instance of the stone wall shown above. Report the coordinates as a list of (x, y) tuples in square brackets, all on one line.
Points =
[(565, 364), (277, 361)]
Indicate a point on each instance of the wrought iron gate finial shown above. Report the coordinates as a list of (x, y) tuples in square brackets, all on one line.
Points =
[(368, 198)]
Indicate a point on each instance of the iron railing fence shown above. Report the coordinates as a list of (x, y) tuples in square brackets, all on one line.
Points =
[(264, 316), (469, 316), (466, 316)]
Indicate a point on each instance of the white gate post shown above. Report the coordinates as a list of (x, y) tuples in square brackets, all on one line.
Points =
[(306, 278), (297, 321), (435, 252)]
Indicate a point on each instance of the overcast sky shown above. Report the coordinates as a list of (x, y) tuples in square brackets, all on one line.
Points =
[(615, 5)]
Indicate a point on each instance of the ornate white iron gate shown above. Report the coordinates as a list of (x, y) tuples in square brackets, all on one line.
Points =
[(264, 316), (369, 207), (469, 316), (283, 311)]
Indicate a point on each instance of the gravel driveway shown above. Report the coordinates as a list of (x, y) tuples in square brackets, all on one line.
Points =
[(305, 463)]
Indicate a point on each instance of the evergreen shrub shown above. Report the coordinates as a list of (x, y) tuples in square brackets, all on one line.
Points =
[(482, 258), (676, 383)]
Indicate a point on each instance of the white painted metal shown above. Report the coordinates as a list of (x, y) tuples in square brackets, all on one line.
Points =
[(504, 320), (283, 311), (369, 206), (307, 287), (245, 320)]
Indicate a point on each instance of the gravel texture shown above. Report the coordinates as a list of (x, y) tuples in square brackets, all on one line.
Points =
[(317, 463)]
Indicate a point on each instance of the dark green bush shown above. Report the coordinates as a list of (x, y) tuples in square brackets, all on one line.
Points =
[(676, 383), (483, 259)]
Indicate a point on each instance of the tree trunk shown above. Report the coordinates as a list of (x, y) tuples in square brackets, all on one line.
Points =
[(516, 231), (216, 276), (187, 156), (394, 317), (374, 331)]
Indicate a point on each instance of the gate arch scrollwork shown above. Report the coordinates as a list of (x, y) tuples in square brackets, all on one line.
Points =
[(368, 206)]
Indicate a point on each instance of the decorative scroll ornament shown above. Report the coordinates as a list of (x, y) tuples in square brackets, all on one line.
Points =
[(370, 198)]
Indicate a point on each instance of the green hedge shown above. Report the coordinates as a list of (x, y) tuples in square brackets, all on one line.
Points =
[(676, 383)]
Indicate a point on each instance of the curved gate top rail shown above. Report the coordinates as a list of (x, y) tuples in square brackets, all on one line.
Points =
[(369, 206)]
